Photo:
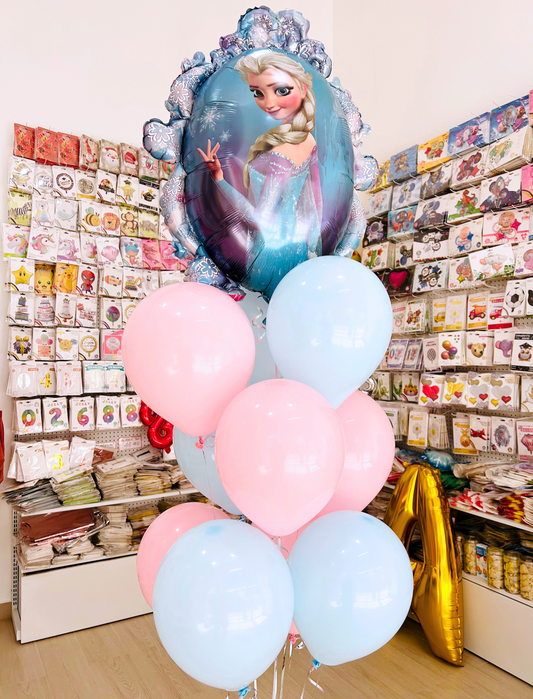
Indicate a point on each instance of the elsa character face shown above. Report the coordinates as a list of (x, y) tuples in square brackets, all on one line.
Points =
[(277, 93)]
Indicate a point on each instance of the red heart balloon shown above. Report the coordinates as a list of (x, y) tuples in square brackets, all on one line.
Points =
[(483, 396), (396, 279), (506, 399)]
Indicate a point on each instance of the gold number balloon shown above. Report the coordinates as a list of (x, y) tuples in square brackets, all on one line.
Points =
[(419, 498)]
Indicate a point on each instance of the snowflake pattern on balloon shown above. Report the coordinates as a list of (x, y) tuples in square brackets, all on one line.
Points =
[(209, 118), (224, 137)]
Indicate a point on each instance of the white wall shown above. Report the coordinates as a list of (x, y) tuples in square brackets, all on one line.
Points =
[(418, 67), (103, 69)]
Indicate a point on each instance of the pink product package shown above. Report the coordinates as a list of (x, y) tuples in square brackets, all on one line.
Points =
[(151, 254)]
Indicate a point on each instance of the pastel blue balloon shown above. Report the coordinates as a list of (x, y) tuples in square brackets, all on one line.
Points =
[(223, 603), (329, 325), (353, 586), (199, 465)]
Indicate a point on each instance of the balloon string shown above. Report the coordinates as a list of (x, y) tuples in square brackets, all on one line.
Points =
[(282, 679), (314, 667), (275, 680), (261, 325), (208, 481)]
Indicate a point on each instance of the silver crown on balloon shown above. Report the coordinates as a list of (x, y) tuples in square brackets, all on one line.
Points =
[(258, 28)]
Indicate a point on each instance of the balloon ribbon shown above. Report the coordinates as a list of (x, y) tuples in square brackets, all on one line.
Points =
[(260, 325), (314, 667)]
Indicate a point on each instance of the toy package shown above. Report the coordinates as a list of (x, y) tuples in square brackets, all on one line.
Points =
[(431, 276), (69, 247), (27, 416), (510, 152), (149, 223), (106, 187), (410, 386), (509, 118), (456, 305), (90, 216), (498, 318), (44, 344), (396, 353), (460, 274), (111, 344), (514, 302), (45, 311), (398, 282), (87, 281), (64, 180), (132, 283), (46, 150), (110, 220), (401, 223), (476, 313), (149, 196), (110, 281), (19, 208), (110, 313), (131, 252), (454, 392), (465, 238), (470, 135), (504, 392), (24, 141), (492, 262), (477, 390), (464, 204), (503, 346), (65, 277), (129, 160), (375, 257), (21, 309), (86, 312), (66, 214), (107, 412), (66, 344), (415, 316), (511, 226), (152, 254), (480, 432), (148, 166), (433, 212), (503, 435), (85, 185), (431, 353), (19, 346), (15, 240), (68, 149), (527, 184), (81, 414), (21, 174), (55, 415), (171, 263), (375, 233), (406, 193), (382, 180), (128, 306), (501, 191), (403, 254), (403, 165), (89, 153), (479, 348), (65, 309), (89, 250), (89, 344), (438, 314), (436, 181), (469, 170), (109, 157), (522, 355), (108, 250), (20, 274), (433, 153), (43, 183), (431, 390), (430, 245), (127, 190)]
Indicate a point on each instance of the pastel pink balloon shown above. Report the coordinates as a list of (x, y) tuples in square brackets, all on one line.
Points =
[(279, 451), (162, 533), (188, 350), (370, 446)]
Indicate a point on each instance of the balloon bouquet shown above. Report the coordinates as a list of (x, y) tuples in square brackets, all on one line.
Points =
[(267, 157)]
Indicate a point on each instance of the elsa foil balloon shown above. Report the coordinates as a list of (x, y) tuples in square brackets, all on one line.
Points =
[(269, 157)]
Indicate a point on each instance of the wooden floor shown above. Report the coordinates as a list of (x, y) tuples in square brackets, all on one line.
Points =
[(126, 660)]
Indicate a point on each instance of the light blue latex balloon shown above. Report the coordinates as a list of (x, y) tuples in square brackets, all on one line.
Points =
[(223, 603), (353, 586), (329, 325), (199, 465)]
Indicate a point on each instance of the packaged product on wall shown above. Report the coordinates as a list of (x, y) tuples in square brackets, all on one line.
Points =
[(431, 353), (55, 415), (148, 223), (418, 428), (110, 313), (396, 354), (45, 310), (89, 344), (87, 280), (164, 231), (410, 387), (398, 316), (524, 260), (413, 355), (510, 117), (115, 377), (127, 190), (90, 216), (32, 461), (21, 309), (81, 414), (148, 166), (22, 379), (501, 191), (470, 135), (64, 179), (522, 355), (454, 392), (69, 248), (476, 314), (171, 263), (504, 392), (15, 240), (44, 344), (382, 179), (494, 262), (526, 394), (375, 233), (401, 223), (107, 412), (479, 346), (438, 314), (129, 221), (19, 346), (108, 157), (438, 432), (503, 346), (406, 193), (20, 174), (46, 378), (132, 280), (469, 170), (46, 150), (431, 390), (42, 211), (86, 312), (510, 226), (462, 444), (433, 212), (397, 386), (85, 185), (108, 251), (106, 187), (20, 275), (128, 306), (111, 344), (510, 152), (524, 439), (477, 390), (503, 434), (152, 254), (416, 316), (94, 377), (382, 390), (432, 276), (68, 149), (403, 165), (527, 184), (66, 214), (403, 253), (89, 153), (498, 318), (514, 302), (480, 432), (27, 416), (464, 204), (436, 181), (19, 208), (456, 312), (130, 408), (110, 281), (149, 196), (433, 153), (430, 245), (66, 344), (24, 141), (129, 160), (398, 282), (451, 349), (43, 183), (529, 296), (375, 257), (150, 281), (110, 220), (465, 238)]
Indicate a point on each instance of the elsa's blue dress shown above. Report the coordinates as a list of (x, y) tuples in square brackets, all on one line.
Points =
[(280, 221)]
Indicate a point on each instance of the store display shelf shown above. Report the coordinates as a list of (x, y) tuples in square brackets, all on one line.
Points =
[(484, 515), (483, 583), (67, 564), (105, 503)]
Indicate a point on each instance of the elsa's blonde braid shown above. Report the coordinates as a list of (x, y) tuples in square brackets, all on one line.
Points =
[(304, 121)]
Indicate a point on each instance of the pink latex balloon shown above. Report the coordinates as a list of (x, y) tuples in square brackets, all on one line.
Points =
[(370, 446), (279, 451), (188, 350), (162, 533)]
